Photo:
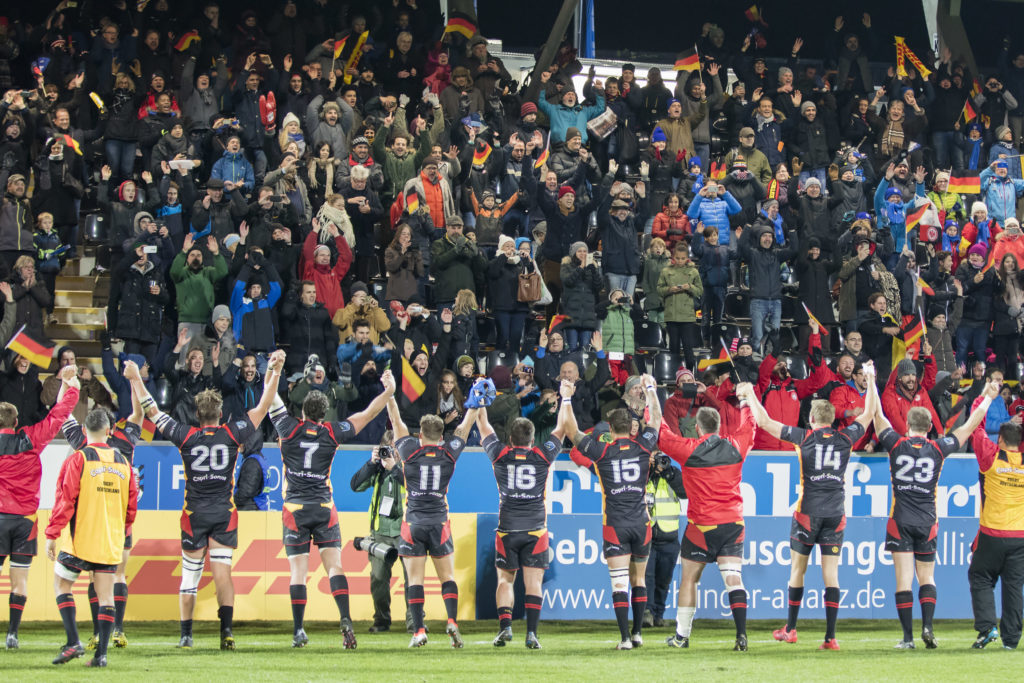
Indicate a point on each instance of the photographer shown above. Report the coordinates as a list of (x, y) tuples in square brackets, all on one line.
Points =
[(382, 472), (664, 490)]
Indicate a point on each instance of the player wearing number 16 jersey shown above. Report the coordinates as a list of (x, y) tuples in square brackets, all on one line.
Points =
[(623, 465), (521, 540), (209, 517), (308, 448), (820, 515), (915, 462)]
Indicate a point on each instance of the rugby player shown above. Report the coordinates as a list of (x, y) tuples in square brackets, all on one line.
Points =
[(521, 540), (820, 514)]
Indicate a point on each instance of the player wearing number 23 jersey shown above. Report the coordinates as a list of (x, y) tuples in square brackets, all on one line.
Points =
[(209, 455), (307, 451), (428, 470)]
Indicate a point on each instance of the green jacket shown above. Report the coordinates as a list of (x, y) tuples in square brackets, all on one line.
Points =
[(455, 266), (653, 266), (385, 484), (196, 290), (617, 330), (680, 307), (398, 170)]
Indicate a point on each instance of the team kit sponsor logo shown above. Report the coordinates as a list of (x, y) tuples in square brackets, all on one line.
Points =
[(575, 585)]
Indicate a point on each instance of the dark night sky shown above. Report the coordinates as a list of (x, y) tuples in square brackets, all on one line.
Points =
[(668, 27)]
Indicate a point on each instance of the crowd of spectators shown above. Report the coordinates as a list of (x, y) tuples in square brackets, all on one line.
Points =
[(412, 205)]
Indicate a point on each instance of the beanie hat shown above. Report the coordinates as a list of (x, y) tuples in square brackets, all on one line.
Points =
[(524, 240), (360, 140), (744, 341), (658, 135), (631, 382), (501, 375), (979, 207), (1001, 131), (527, 108), (358, 286), (629, 66), (572, 132), (319, 247), (502, 240), (220, 311), (739, 163), (618, 204), (670, 102), (564, 190), (903, 162), (745, 131), (695, 161), (807, 104), (847, 167), (576, 246), (812, 181), (683, 372), (893, 192), (906, 367), (941, 175), (463, 360), (979, 249)]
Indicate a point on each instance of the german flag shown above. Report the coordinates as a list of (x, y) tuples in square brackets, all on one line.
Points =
[(37, 352), (810, 316), (965, 182), (481, 153), (412, 200), (148, 427), (968, 114), (753, 14), (975, 88), (991, 262), (717, 171), (543, 158), (557, 320), (924, 287), (339, 45), (73, 144), (913, 330), (461, 23), (687, 61), (914, 217), (705, 363), (412, 384), (186, 40)]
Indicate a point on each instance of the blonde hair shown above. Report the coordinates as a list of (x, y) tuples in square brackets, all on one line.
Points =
[(465, 302), (655, 242), (822, 412)]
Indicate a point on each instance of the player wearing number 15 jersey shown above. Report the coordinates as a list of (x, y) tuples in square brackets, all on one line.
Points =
[(820, 515), (915, 462), (521, 539), (623, 464), (209, 517), (308, 448)]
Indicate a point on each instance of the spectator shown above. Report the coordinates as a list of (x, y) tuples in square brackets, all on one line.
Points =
[(681, 407), (764, 258), (307, 330), (678, 129), (316, 265), (138, 295), (503, 276), (195, 285), (712, 206), (581, 282), (255, 293), (584, 399), (879, 329), (361, 306), (567, 114), (403, 262), (906, 389), (233, 168), (1000, 190), (359, 349), (714, 268), (617, 229), (19, 386), (456, 264), (979, 287), (92, 393), (655, 261), (30, 295), (187, 377)]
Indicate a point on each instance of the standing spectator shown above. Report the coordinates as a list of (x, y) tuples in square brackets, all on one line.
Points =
[(138, 295), (256, 291), (30, 295), (680, 287), (1000, 190), (403, 262), (219, 212), (15, 222), (655, 261), (456, 264), (979, 288), (693, 100), (907, 389), (361, 306), (581, 286), (765, 258), (188, 379), (316, 266), (234, 169), (714, 260), (768, 132), (814, 273), (195, 285), (678, 129), (306, 329), (618, 227), (712, 206), (503, 274), (567, 114)]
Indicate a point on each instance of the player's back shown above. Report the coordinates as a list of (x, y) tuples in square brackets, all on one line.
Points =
[(914, 466), (824, 456), (624, 468), (428, 470), (209, 455), (122, 439), (522, 476), (307, 451)]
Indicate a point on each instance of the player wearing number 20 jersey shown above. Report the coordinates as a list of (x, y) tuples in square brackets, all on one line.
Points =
[(209, 455)]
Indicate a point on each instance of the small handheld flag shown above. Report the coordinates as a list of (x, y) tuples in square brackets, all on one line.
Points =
[(705, 363), (810, 316), (965, 182), (186, 40), (687, 61), (412, 384), (543, 158), (924, 286), (339, 45), (73, 144), (968, 114), (357, 52), (412, 200), (461, 23), (481, 153), (38, 352)]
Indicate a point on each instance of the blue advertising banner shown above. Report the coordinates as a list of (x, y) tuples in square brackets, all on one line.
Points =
[(576, 585), (770, 483)]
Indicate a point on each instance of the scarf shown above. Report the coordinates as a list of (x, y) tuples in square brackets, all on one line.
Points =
[(892, 138), (984, 231), (972, 161), (763, 121), (328, 168), (339, 217), (1013, 295)]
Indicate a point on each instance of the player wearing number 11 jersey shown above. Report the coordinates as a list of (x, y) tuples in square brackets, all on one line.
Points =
[(915, 462), (623, 465), (308, 448), (820, 515), (209, 517)]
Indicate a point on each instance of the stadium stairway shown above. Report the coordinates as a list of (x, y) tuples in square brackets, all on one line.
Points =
[(80, 305)]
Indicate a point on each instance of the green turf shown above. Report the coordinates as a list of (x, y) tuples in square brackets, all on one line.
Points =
[(572, 651)]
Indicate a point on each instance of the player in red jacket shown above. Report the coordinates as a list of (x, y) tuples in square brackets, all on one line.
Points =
[(781, 394), (904, 390), (20, 473)]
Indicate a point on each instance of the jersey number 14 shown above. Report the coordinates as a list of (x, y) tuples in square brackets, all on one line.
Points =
[(825, 457)]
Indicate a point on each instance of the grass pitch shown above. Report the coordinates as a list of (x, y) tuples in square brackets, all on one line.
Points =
[(572, 651)]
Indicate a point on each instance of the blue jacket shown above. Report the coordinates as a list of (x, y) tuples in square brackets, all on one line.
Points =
[(897, 228), (252, 321), (1006, 149), (1000, 194), (714, 212), (996, 416), (349, 352), (562, 118), (236, 169)]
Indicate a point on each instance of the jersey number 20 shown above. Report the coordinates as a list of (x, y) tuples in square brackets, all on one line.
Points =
[(209, 458)]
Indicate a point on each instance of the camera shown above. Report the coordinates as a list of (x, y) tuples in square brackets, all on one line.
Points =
[(149, 249), (662, 462), (622, 300), (276, 198), (384, 452), (379, 550)]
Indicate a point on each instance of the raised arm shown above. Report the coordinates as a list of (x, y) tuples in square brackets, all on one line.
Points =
[(745, 391), (484, 425), (872, 403), (881, 423), (978, 414), (653, 404), (270, 383), (561, 430), (138, 414), (379, 402), (397, 425), (462, 431)]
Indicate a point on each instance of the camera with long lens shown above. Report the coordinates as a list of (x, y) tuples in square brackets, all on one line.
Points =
[(379, 550)]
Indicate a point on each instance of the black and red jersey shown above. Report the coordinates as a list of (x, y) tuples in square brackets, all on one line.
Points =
[(623, 466), (824, 455), (123, 440), (209, 455), (307, 450), (522, 478), (428, 470), (914, 465)]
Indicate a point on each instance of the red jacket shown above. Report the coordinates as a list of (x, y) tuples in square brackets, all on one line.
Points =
[(326, 278), (20, 473), (896, 405), (726, 395), (782, 399), (713, 485), (845, 398), (677, 224), (677, 407)]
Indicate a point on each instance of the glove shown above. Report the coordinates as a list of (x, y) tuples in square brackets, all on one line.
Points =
[(268, 111), (481, 394), (680, 155), (403, 100)]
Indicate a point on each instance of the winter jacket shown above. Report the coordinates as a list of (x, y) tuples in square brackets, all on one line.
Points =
[(133, 311), (748, 192), (681, 306), (781, 397), (713, 212), (581, 286), (671, 227), (403, 271), (234, 168), (1000, 194), (679, 132), (345, 318), (200, 107), (561, 117), (977, 295), (455, 265), (814, 276), (765, 264), (319, 131), (619, 249), (327, 278), (307, 330), (503, 283), (196, 290), (653, 265), (757, 162), (222, 217), (617, 329)]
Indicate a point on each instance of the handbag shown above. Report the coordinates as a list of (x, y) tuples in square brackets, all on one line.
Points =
[(529, 287)]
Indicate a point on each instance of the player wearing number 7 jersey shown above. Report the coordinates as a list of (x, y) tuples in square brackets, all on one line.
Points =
[(820, 515), (521, 540), (915, 462), (209, 517), (623, 465), (308, 448)]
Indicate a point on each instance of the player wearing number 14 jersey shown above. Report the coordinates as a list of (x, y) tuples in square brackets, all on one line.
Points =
[(623, 464), (820, 515), (308, 448), (915, 462), (209, 518)]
